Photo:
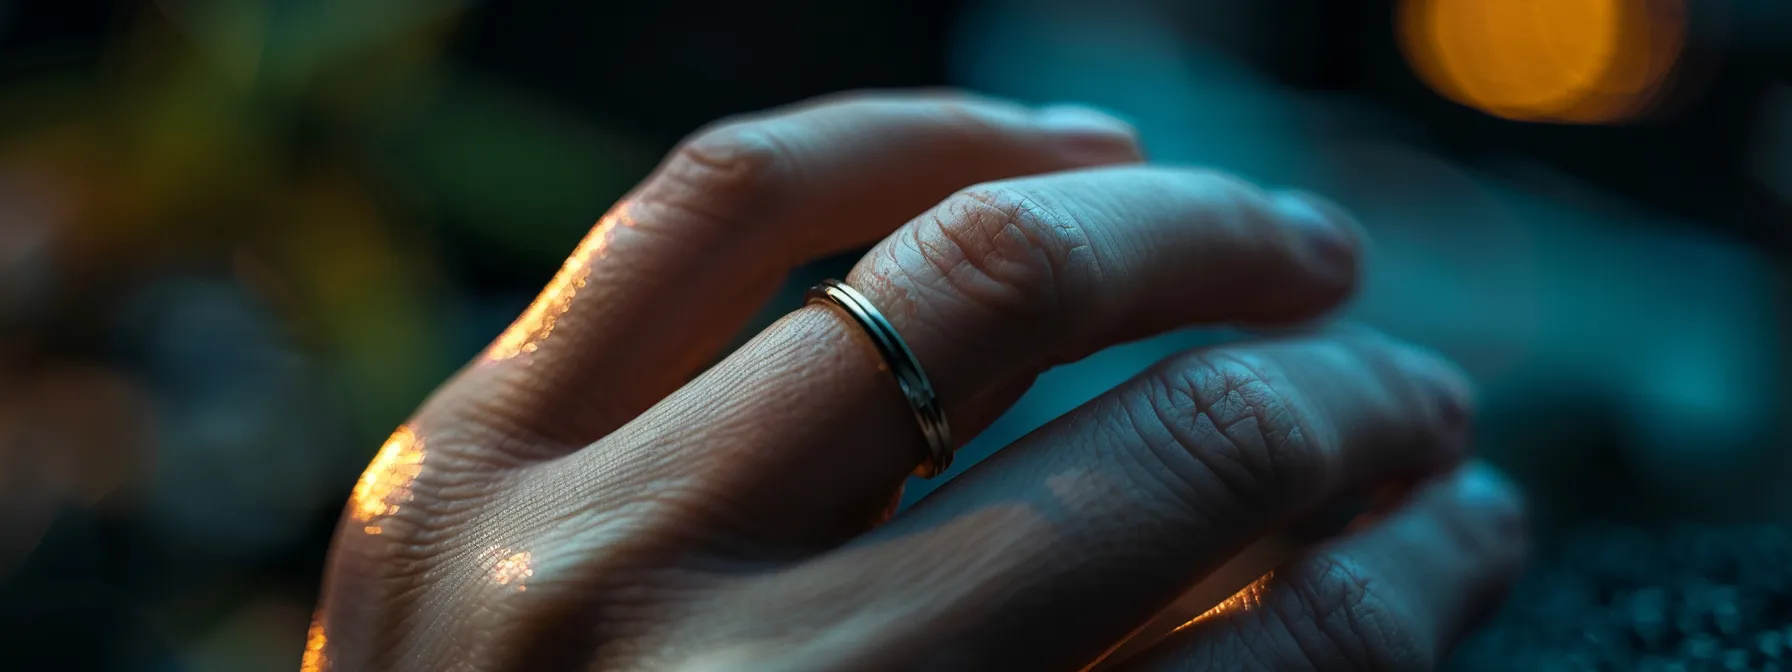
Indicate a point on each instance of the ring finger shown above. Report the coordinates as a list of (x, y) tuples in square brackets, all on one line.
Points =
[(805, 438)]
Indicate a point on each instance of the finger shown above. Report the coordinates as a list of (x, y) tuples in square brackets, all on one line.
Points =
[(1396, 596), (1061, 544), (672, 272), (999, 282)]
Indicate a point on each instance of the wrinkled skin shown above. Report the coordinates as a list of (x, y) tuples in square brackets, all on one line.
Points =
[(575, 499)]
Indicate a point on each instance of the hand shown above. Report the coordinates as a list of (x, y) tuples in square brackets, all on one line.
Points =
[(576, 500)]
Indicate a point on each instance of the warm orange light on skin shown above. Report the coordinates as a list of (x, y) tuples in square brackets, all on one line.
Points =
[(315, 660), (1581, 61), (386, 485), (511, 569), (534, 325), (1248, 599)]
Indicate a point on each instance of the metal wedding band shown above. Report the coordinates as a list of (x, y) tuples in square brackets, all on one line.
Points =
[(903, 366)]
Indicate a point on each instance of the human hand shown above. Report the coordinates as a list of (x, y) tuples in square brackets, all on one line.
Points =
[(576, 500)]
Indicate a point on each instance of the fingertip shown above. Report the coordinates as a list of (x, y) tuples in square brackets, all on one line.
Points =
[(1319, 245), (1330, 239), (1449, 391), (1483, 491)]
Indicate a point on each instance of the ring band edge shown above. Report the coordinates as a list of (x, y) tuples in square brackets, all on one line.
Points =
[(903, 366)]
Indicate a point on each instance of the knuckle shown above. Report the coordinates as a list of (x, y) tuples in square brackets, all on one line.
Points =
[(723, 171), (970, 118), (1337, 611), (1232, 428), (952, 111), (1005, 249), (425, 486)]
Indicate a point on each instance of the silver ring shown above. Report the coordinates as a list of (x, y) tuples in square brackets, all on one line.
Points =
[(903, 366)]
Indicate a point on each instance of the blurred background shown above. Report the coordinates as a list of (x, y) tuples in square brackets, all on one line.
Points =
[(241, 239)]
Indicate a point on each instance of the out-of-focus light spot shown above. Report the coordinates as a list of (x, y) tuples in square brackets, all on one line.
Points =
[(386, 485), (509, 568), (1246, 599), (530, 329), (1563, 61), (315, 660)]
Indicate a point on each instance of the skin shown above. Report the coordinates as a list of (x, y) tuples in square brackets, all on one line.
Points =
[(586, 497)]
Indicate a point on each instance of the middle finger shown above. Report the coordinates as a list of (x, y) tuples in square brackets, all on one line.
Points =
[(804, 437), (1047, 554)]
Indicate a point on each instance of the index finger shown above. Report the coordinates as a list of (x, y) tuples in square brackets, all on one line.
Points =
[(674, 270)]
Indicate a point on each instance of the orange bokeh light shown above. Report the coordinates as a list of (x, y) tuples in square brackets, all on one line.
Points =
[(1562, 61)]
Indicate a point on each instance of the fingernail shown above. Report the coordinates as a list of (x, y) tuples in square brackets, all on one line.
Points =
[(1330, 236), (1455, 393), (1482, 488), (1086, 131), (1456, 401), (1448, 395)]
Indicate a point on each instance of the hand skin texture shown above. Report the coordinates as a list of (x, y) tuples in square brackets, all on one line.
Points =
[(584, 496)]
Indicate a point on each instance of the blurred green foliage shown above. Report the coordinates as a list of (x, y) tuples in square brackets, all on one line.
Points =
[(238, 218), (320, 147), (513, 171)]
